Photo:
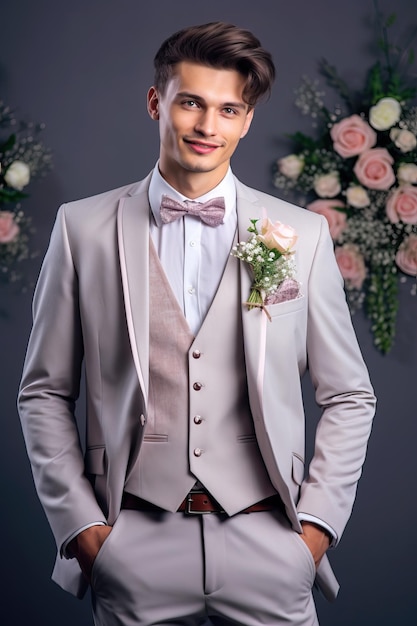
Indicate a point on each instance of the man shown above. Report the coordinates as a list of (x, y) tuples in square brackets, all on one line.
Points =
[(191, 500)]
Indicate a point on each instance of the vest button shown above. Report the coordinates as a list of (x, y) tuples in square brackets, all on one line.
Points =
[(196, 354), (197, 386), (197, 419), (198, 452)]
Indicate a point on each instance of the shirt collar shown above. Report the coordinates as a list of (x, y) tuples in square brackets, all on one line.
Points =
[(158, 187)]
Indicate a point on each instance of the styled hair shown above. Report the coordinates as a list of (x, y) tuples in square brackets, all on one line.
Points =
[(221, 46)]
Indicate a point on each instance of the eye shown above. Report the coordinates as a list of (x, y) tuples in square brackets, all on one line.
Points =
[(230, 111), (192, 104)]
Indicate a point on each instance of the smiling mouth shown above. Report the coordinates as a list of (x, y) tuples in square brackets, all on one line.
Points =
[(201, 147)]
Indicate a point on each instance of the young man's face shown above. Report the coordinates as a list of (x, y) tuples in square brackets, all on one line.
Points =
[(202, 117)]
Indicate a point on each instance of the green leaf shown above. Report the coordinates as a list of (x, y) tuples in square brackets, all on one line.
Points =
[(382, 306), (375, 83), (334, 81), (303, 142), (391, 19), (11, 195), (8, 144)]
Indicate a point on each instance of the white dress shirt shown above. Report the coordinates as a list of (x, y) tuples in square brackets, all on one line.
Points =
[(193, 254)]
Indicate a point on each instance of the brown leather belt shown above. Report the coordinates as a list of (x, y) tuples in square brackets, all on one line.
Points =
[(198, 503)]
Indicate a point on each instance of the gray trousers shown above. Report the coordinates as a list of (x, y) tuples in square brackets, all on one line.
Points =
[(168, 568)]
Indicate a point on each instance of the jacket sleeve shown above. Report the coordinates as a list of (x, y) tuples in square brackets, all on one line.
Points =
[(49, 389), (342, 390)]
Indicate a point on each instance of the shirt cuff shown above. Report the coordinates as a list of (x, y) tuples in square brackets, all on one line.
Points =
[(306, 517), (77, 532)]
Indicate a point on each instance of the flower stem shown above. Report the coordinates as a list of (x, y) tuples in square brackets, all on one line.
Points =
[(382, 306)]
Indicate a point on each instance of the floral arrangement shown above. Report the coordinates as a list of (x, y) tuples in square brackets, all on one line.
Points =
[(22, 159), (361, 174), (269, 255)]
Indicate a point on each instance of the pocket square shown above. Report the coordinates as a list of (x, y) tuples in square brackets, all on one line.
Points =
[(289, 289)]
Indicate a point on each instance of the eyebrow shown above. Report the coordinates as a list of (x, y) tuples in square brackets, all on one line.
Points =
[(232, 105)]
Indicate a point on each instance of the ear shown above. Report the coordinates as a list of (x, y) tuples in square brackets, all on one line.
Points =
[(248, 122), (153, 103)]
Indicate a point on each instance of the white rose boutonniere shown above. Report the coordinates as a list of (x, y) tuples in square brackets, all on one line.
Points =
[(270, 256)]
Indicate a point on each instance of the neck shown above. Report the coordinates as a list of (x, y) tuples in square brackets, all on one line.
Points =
[(193, 184)]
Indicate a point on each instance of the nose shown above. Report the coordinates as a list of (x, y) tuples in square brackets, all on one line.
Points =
[(206, 123)]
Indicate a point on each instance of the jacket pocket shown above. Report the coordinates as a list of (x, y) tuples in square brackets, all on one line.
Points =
[(297, 469), (94, 460)]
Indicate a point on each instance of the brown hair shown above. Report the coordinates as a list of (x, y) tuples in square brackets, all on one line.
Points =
[(222, 46)]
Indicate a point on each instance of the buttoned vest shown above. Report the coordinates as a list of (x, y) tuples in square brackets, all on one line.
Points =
[(199, 424)]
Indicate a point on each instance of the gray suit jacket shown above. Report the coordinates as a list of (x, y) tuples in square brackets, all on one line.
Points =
[(91, 304)]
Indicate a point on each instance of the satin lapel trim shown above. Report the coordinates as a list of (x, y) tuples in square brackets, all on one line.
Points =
[(133, 238), (254, 320)]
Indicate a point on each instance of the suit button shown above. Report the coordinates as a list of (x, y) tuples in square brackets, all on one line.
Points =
[(198, 452), (197, 419), (197, 386), (196, 354)]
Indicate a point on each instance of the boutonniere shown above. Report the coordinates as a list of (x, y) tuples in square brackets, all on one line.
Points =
[(270, 254)]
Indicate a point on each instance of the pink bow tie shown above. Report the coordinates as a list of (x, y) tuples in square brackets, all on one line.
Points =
[(210, 212)]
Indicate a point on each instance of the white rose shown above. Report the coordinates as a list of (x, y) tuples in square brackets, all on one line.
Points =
[(407, 173), (405, 140), (357, 197), (327, 185), (385, 113), (291, 166), (17, 175)]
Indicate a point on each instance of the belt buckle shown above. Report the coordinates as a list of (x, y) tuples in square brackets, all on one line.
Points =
[(188, 509), (189, 502)]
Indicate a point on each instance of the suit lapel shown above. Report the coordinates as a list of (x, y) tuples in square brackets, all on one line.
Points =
[(254, 335), (254, 329), (133, 240)]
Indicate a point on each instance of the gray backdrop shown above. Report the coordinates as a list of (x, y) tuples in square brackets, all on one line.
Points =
[(83, 68)]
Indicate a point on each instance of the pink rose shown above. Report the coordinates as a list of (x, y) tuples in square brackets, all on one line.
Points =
[(406, 257), (9, 230), (352, 136), (351, 265), (402, 205), (336, 219), (277, 236), (374, 169)]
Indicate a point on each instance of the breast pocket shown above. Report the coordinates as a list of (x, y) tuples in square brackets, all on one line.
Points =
[(285, 308)]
